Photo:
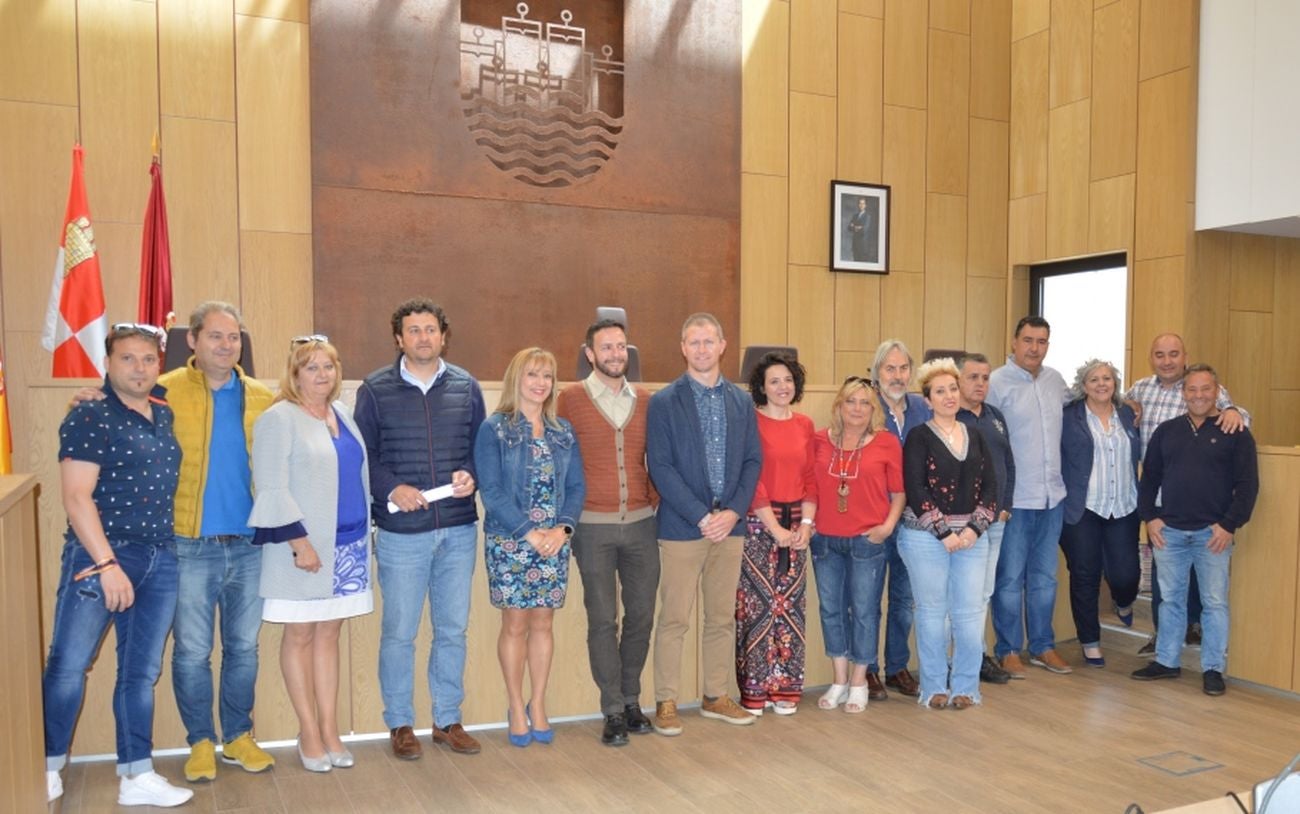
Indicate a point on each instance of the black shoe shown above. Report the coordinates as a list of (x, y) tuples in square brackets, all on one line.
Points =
[(637, 722), (1148, 649), (992, 673), (1194, 634), (615, 731), (1156, 670), (1212, 683)]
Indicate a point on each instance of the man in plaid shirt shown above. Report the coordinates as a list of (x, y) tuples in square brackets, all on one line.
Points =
[(1157, 399)]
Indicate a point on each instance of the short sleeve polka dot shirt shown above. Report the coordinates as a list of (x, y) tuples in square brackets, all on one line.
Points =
[(139, 463)]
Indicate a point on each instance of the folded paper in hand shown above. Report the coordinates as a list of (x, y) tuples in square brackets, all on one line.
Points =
[(432, 495)]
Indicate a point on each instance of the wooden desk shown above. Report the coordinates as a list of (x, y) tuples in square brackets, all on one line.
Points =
[(22, 730)]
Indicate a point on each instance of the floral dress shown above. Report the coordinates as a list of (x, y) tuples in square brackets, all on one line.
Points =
[(518, 576)]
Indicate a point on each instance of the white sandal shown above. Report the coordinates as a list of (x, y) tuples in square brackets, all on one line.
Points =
[(857, 701), (834, 696), (785, 707)]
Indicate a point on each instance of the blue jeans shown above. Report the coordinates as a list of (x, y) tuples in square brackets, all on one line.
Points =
[(1193, 597), (1183, 551), (949, 590), (1093, 546), (994, 533), (438, 564), (80, 621), (216, 572), (898, 621), (1025, 596), (850, 575)]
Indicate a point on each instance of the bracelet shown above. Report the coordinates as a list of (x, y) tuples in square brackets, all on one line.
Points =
[(97, 568), (806, 521)]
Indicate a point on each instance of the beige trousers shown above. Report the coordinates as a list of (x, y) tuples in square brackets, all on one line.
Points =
[(686, 566)]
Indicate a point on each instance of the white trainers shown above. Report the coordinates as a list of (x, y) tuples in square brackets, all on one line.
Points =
[(150, 789), (53, 786)]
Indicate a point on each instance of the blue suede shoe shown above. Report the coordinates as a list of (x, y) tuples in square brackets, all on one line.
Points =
[(517, 740), (1094, 661), (1125, 616), (542, 736)]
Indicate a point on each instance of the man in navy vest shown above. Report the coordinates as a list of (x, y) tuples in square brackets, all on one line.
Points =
[(418, 417)]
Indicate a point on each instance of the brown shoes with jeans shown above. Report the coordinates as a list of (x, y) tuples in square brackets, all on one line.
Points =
[(405, 744), (456, 739)]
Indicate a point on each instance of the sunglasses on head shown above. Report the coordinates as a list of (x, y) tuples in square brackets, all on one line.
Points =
[(307, 339), (138, 328), (860, 379)]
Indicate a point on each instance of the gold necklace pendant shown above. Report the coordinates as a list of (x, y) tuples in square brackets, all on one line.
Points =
[(842, 496)]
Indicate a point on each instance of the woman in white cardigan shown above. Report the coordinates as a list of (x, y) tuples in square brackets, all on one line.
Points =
[(311, 513)]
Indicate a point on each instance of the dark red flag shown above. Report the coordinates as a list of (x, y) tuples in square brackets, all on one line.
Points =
[(156, 258)]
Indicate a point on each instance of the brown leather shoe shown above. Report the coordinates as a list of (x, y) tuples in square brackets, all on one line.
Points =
[(1014, 666), (904, 683), (875, 690), (456, 739), (1051, 661), (405, 744)]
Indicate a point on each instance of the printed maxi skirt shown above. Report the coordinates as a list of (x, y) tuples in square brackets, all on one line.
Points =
[(770, 618)]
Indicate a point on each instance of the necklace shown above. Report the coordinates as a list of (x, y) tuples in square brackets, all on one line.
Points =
[(846, 468), (947, 434), (322, 416)]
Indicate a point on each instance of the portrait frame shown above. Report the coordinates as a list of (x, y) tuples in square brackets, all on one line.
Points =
[(859, 227)]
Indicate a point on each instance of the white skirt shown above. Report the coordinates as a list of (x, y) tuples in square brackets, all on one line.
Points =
[(318, 610)]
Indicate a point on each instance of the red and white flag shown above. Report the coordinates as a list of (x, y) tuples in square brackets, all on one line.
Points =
[(76, 320)]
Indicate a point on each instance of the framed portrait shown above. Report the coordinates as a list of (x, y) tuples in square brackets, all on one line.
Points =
[(859, 227)]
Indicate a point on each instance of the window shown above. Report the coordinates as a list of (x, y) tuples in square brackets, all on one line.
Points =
[(1086, 303)]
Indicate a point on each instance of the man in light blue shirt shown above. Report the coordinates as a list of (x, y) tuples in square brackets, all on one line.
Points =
[(1031, 396)]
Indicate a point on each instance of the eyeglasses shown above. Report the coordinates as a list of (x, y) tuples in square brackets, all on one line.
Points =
[(307, 339), (138, 328)]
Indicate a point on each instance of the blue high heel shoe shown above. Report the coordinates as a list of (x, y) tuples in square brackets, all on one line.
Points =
[(542, 736), (518, 740)]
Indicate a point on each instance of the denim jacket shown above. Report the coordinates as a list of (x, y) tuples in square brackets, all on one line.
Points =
[(501, 459)]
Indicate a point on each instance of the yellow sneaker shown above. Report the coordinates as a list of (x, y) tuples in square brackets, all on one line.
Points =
[(245, 752), (202, 764)]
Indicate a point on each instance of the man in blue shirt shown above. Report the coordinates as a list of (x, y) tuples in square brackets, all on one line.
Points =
[(1031, 396), (904, 411), (703, 453)]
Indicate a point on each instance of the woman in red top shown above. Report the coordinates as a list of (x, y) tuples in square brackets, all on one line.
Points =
[(858, 497), (773, 571)]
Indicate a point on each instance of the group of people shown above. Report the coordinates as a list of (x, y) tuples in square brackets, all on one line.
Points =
[(200, 490)]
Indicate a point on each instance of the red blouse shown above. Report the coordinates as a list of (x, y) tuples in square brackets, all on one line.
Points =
[(787, 474), (873, 474)]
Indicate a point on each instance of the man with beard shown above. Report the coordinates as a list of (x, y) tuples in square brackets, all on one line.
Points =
[(615, 542)]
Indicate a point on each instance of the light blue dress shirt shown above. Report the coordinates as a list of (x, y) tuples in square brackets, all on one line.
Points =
[(1032, 406)]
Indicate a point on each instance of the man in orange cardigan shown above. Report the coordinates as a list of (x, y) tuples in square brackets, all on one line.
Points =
[(615, 542)]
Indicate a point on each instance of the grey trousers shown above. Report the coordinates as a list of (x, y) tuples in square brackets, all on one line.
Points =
[(611, 555)]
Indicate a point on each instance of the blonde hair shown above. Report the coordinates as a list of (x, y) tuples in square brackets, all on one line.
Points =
[(299, 355), (935, 368), (526, 360), (851, 385)]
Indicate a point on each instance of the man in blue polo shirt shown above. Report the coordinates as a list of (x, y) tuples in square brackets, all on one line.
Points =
[(118, 464)]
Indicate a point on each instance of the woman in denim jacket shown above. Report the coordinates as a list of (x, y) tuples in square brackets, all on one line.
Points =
[(530, 480)]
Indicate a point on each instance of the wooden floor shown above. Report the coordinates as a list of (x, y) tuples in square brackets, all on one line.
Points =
[(1091, 742)]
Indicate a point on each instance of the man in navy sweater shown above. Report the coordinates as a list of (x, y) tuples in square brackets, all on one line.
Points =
[(1198, 487), (703, 454)]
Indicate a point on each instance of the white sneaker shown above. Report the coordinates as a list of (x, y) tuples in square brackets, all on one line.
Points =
[(53, 786), (150, 789)]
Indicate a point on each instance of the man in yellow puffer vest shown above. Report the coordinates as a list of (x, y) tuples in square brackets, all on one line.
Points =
[(215, 406)]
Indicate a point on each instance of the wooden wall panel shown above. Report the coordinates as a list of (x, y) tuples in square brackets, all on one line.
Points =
[(1164, 146), (1017, 305), (986, 317), (1114, 89), (1286, 321), (857, 313), (947, 126), (274, 133), (1029, 93), (1158, 288), (951, 15), (118, 68), (199, 177), (1284, 412), (1027, 229), (35, 170), (1252, 262), (1250, 364), (811, 295), (812, 63), (869, 8), (38, 52), (990, 65), (902, 308), (905, 57), (904, 171), (1067, 167), (1110, 214), (1028, 17), (860, 101), (196, 58), (764, 210), (1167, 36), (119, 267), (812, 166), (277, 296), (1071, 57), (1209, 290), (295, 10), (847, 363), (986, 242), (765, 88), (945, 270)]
